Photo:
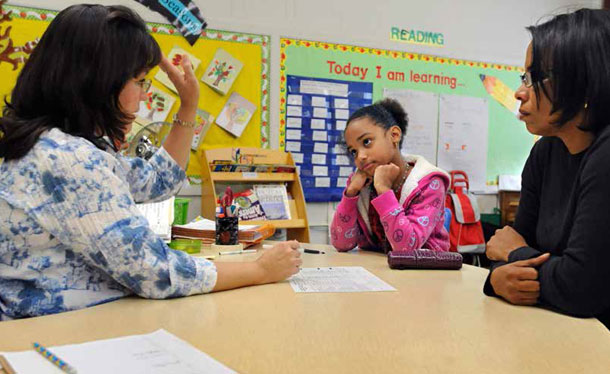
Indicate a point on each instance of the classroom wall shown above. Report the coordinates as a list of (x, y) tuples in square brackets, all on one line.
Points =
[(479, 30)]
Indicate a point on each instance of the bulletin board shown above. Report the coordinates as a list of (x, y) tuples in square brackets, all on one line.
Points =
[(508, 142), (252, 83)]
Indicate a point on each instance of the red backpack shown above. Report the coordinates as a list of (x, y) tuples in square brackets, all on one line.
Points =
[(465, 232)]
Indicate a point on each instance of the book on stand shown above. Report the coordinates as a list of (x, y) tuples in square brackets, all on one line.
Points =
[(249, 207), (274, 199)]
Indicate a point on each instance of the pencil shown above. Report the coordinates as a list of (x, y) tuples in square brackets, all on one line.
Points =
[(500, 92), (5, 366), (54, 359)]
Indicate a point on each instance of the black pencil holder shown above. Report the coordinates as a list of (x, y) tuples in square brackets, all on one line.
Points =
[(227, 230)]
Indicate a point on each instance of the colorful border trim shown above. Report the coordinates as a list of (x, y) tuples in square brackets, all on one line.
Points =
[(166, 29), (286, 42)]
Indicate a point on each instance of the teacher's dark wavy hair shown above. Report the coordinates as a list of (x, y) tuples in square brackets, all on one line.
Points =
[(74, 76), (573, 52)]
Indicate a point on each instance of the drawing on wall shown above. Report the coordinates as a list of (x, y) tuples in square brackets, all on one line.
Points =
[(236, 114), (156, 107), (500, 92), (204, 120), (176, 56), (9, 53), (222, 71)]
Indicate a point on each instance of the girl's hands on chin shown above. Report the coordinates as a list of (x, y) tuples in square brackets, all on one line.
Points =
[(385, 175), (358, 181)]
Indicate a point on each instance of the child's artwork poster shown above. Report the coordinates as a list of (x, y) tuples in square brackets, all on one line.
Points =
[(236, 114), (175, 56), (222, 71), (204, 120), (156, 107)]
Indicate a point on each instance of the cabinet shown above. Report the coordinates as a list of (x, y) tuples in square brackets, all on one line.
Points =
[(214, 182), (509, 202)]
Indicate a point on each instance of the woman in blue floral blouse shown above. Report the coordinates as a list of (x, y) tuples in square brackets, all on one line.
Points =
[(70, 233)]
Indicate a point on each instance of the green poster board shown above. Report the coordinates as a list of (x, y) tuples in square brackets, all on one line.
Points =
[(509, 142)]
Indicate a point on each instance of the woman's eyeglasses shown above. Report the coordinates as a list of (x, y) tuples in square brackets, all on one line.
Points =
[(528, 81), (144, 84)]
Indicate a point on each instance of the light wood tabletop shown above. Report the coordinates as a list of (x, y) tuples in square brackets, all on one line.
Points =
[(436, 322)]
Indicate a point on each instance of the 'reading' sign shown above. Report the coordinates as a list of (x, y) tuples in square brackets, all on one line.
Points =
[(182, 14)]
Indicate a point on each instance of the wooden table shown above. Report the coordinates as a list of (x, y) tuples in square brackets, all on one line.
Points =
[(437, 322)]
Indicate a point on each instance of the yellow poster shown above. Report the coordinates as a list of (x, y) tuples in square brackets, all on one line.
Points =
[(20, 27)]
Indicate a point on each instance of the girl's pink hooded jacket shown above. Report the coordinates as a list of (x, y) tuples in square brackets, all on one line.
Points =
[(416, 221)]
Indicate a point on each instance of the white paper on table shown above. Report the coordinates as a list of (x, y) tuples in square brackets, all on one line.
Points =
[(320, 171), (341, 114), (318, 101), (293, 134), (337, 279), (422, 133), (295, 111), (323, 88), (345, 171), (320, 136), (342, 160), (341, 103), (294, 122), (320, 147), (342, 182), (293, 146), (323, 182), (295, 100), (462, 137), (318, 124), (297, 157), (156, 353), (340, 125), (319, 159), (320, 112)]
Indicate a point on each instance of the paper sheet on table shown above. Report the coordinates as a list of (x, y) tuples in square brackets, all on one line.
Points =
[(156, 353), (337, 279)]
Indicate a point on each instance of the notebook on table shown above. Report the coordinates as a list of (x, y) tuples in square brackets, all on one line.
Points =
[(156, 353)]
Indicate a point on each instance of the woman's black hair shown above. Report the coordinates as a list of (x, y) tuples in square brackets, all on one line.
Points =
[(74, 76), (573, 51), (386, 113)]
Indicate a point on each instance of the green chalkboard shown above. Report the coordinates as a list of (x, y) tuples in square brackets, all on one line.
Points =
[(509, 142)]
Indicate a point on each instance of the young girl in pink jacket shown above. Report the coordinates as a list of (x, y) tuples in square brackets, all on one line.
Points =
[(391, 202)]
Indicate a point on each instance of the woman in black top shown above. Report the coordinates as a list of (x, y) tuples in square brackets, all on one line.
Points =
[(558, 252)]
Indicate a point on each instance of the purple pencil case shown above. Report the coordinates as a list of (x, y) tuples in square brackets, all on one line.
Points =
[(424, 259)]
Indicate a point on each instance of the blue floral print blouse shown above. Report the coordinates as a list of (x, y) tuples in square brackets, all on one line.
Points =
[(72, 237)]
